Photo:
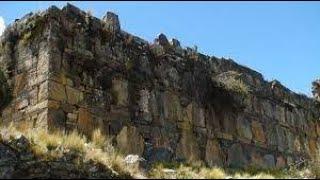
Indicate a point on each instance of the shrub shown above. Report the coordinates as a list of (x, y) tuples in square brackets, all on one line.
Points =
[(230, 81)]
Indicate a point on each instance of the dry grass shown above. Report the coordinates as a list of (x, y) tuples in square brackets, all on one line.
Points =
[(99, 139), (55, 144), (231, 81), (183, 171), (74, 141), (99, 149), (236, 85), (213, 173)]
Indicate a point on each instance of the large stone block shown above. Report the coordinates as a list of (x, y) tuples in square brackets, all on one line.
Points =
[(172, 107), (281, 162), (120, 90), (258, 132), (85, 121), (144, 105), (42, 119), (212, 121), (20, 83), (188, 148), (229, 123), (214, 155), (236, 157), (198, 116), (269, 161), (129, 141), (267, 108), (56, 120), (281, 137), (256, 159), (244, 129), (279, 114), (313, 148), (57, 91), (74, 96)]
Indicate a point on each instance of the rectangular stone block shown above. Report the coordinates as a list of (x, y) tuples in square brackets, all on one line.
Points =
[(258, 132), (74, 96), (57, 92)]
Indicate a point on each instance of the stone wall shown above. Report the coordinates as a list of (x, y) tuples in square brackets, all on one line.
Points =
[(69, 70)]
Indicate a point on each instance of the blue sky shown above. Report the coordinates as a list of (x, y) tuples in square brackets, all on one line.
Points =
[(281, 40)]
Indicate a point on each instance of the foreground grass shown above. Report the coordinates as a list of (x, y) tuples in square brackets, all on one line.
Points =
[(99, 149), (185, 171), (50, 146)]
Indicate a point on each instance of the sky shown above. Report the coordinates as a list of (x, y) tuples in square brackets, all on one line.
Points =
[(281, 40)]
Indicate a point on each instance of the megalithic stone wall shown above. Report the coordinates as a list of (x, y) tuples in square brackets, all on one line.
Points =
[(68, 70)]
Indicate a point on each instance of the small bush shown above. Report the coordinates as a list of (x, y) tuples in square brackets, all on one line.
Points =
[(99, 139), (315, 167), (213, 173), (236, 85), (74, 141)]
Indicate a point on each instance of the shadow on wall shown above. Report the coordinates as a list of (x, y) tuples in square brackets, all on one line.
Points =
[(5, 93)]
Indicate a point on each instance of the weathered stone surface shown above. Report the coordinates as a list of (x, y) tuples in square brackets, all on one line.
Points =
[(256, 160), (198, 116), (120, 89), (20, 83), (187, 148), (130, 141), (57, 91), (144, 105), (236, 157), (74, 96), (112, 21), (244, 128), (56, 119), (313, 148), (214, 156), (269, 161), (258, 132), (281, 162), (172, 107), (85, 122), (4, 90), (74, 71)]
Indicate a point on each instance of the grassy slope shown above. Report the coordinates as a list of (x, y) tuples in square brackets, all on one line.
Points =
[(50, 146)]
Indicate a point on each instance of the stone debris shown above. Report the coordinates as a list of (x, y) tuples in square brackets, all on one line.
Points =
[(133, 159)]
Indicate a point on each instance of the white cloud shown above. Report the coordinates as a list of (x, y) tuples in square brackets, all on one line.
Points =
[(2, 25)]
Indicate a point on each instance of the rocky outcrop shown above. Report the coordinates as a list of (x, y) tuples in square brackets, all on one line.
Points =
[(69, 70)]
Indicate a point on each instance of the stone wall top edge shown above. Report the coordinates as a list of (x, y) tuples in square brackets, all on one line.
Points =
[(69, 8)]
